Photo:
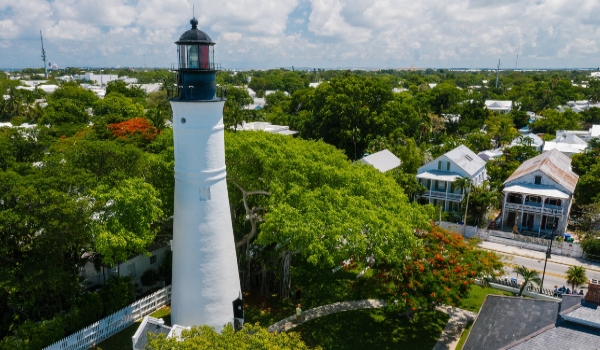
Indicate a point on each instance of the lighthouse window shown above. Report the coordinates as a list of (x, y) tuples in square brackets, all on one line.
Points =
[(204, 194), (192, 56), (182, 120)]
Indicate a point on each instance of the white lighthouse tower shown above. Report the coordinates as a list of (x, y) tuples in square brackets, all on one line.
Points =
[(206, 287)]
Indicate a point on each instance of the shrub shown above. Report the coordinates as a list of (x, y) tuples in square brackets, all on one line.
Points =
[(117, 293), (150, 277)]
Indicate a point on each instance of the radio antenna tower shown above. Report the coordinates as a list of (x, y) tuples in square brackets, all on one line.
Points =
[(517, 61), (44, 56), (497, 72)]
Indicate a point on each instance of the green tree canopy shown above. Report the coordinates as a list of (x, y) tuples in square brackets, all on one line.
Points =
[(123, 222), (250, 337)]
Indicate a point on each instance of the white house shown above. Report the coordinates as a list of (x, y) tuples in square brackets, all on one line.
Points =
[(568, 145), (133, 267), (536, 141), (538, 195), (438, 177), (101, 79), (266, 127), (383, 160), (499, 106)]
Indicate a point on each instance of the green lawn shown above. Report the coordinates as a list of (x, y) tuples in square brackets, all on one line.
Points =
[(122, 340), (373, 329), (464, 335), (477, 295), (319, 287)]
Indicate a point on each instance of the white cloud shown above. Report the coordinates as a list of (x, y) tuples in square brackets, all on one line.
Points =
[(326, 33)]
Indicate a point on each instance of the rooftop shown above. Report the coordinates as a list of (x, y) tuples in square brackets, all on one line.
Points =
[(382, 160), (554, 164), (466, 159)]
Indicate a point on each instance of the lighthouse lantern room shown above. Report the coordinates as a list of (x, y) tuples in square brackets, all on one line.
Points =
[(196, 78)]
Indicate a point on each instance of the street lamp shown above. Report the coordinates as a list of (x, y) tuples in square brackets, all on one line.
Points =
[(548, 253)]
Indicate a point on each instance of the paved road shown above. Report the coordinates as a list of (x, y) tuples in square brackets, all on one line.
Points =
[(555, 269), (556, 274)]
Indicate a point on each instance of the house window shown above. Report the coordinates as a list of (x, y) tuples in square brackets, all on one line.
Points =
[(440, 185), (152, 259), (455, 206), (538, 180), (439, 165), (132, 271), (447, 166)]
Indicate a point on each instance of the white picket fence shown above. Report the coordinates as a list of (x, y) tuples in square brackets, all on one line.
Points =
[(110, 325)]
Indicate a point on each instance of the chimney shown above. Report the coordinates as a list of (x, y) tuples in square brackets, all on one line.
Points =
[(593, 293)]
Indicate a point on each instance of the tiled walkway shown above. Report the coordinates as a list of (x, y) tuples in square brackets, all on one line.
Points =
[(448, 339)]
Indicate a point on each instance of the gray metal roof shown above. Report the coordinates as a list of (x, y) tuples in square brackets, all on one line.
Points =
[(554, 164), (149, 325), (504, 320), (466, 159), (589, 316), (564, 337), (536, 140), (382, 160)]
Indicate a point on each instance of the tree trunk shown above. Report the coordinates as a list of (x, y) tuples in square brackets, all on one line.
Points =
[(286, 278)]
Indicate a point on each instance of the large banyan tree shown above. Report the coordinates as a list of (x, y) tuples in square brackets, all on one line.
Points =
[(305, 199)]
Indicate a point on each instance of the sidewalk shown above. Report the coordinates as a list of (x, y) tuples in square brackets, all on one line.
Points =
[(289, 323), (454, 328), (533, 254)]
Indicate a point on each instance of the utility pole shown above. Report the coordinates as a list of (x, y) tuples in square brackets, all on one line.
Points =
[(497, 72), (548, 254)]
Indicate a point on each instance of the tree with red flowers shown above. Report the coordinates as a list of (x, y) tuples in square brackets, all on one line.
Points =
[(440, 271), (137, 129)]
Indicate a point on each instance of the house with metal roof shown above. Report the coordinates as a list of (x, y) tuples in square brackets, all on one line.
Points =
[(533, 324), (539, 194), (568, 145), (499, 106), (438, 177), (383, 160), (529, 139)]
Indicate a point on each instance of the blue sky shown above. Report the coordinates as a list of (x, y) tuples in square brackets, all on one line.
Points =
[(306, 33)]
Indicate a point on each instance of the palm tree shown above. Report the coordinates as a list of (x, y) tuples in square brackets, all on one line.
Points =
[(576, 276), (464, 184), (529, 278), (158, 121)]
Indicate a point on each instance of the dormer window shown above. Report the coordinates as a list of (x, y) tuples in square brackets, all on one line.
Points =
[(537, 180)]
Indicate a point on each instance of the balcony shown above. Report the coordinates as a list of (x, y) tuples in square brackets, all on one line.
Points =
[(443, 195), (536, 208)]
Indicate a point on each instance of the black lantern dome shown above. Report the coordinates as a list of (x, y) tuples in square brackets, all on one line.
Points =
[(196, 69), (194, 35)]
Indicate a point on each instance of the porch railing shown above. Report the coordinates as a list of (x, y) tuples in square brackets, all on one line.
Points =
[(535, 209), (443, 195)]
